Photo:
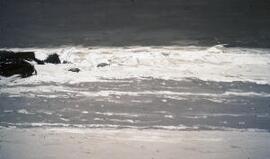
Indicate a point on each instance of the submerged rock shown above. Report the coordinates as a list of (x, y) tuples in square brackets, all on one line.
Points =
[(103, 64), (67, 62), (74, 70), (53, 58)]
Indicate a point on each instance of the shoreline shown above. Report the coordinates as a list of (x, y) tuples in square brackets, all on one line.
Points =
[(131, 143)]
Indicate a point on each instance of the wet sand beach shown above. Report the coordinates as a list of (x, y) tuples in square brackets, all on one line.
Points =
[(127, 143)]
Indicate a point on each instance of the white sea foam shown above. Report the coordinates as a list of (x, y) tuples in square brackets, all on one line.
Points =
[(179, 127), (123, 121), (117, 114), (65, 119), (168, 116), (23, 111), (116, 126), (53, 91), (204, 116), (169, 62), (8, 111)]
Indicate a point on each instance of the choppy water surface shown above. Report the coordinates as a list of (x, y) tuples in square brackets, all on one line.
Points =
[(183, 88)]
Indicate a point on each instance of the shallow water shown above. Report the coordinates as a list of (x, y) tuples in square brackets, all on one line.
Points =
[(180, 88)]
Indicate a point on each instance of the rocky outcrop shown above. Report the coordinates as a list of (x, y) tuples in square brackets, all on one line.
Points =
[(16, 63), (53, 58), (28, 56), (12, 63)]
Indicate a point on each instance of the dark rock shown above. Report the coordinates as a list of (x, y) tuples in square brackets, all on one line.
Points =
[(15, 63), (9, 55), (40, 62), (103, 64), (66, 62), (74, 70), (17, 66), (53, 58)]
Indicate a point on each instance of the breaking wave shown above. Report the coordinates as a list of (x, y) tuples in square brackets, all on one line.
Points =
[(216, 63)]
